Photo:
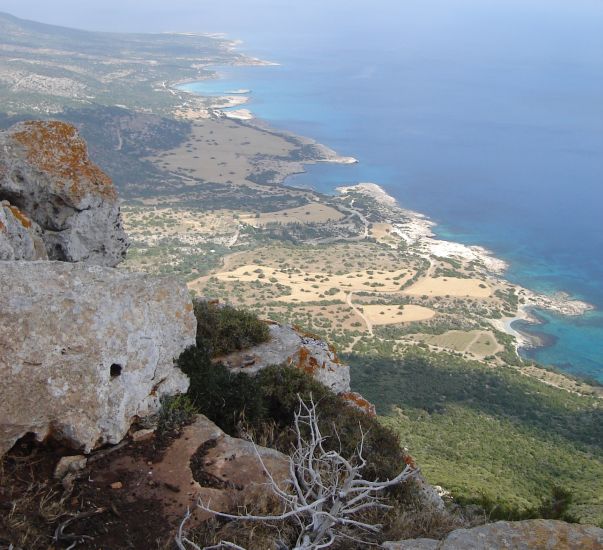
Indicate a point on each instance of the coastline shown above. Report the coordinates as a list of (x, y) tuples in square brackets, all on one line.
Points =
[(415, 228), (224, 105)]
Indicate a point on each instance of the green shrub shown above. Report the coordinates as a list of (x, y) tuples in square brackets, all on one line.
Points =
[(224, 329), (342, 424), (553, 506), (265, 405), (217, 393), (176, 411)]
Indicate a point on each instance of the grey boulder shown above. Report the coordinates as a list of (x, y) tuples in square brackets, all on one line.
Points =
[(535, 534), (20, 237), (45, 172), (85, 350)]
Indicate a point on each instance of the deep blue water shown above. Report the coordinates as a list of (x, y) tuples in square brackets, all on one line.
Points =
[(486, 116)]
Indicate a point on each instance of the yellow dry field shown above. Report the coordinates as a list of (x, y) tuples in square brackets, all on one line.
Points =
[(313, 212), (310, 287), (221, 151), (485, 344), (383, 232), (391, 315), (333, 258), (450, 286), (313, 316), (477, 342)]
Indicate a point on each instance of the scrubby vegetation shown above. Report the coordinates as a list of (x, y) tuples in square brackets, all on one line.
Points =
[(222, 329), (491, 436), (263, 408)]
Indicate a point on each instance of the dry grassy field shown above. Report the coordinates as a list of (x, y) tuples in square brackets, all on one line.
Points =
[(449, 286), (313, 212), (222, 151)]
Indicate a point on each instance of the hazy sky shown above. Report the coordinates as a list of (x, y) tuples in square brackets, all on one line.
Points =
[(211, 16), (310, 23)]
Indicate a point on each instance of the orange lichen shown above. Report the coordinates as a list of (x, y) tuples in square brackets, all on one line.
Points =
[(20, 217), (56, 148), (305, 361), (2, 226), (410, 461), (356, 400)]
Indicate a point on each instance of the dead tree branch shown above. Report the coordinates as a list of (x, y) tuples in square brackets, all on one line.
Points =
[(324, 494)]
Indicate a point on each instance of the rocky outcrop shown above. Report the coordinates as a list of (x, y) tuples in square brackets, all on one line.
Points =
[(537, 534), (45, 172), (290, 346), (356, 400), (20, 237), (202, 463), (86, 349)]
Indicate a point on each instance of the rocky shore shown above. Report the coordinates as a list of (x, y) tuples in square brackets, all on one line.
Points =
[(417, 231)]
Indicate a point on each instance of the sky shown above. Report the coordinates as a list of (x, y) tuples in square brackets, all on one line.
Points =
[(302, 23), (210, 16)]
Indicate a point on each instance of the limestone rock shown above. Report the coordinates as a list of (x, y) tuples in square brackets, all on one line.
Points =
[(84, 350), (20, 237), (536, 534), (46, 173), (202, 463), (289, 346), (143, 435), (69, 465), (413, 544), (356, 400)]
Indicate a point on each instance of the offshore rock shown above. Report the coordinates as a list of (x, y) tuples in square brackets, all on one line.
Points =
[(46, 173), (85, 350), (292, 347), (535, 534), (20, 237)]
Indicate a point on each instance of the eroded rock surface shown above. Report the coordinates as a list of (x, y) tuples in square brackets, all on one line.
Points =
[(86, 349), (290, 346), (203, 463), (45, 172), (20, 237), (537, 534)]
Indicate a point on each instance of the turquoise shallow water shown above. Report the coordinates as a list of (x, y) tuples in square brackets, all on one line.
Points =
[(489, 121)]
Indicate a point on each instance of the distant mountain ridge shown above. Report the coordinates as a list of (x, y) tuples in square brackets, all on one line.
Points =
[(46, 68)]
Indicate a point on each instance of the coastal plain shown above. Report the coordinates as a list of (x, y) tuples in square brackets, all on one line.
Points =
[(424, 323)]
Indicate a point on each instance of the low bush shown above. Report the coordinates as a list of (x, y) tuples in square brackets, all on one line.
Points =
[(176, 411), (342, 424), (224, 397), (264, 406), (222, 329)]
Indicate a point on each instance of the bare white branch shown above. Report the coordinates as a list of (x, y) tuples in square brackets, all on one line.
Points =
[(324, 494)]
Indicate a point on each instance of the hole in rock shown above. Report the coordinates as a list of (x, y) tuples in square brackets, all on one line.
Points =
[(115, 370)]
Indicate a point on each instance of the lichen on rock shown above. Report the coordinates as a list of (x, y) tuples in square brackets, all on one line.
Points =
[(46, 174), (20, 237)]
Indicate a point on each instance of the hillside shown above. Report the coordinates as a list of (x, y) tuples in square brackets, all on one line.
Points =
[(423, 323)]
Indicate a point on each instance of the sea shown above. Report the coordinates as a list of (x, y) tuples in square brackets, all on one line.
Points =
[(485, 115)]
